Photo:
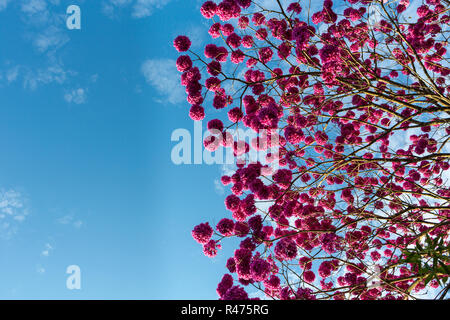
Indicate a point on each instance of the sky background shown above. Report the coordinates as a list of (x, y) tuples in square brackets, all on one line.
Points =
[(86, 176)]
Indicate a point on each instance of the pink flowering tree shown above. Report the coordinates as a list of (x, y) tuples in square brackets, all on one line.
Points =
[(357, 93)]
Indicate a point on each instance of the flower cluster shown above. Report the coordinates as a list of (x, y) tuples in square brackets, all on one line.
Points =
[(357, 104)]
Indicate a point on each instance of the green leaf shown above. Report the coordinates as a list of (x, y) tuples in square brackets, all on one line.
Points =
[(419, 246), (429, 278), (428, 239)]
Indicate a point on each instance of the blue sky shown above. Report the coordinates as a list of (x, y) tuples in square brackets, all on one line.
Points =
[(85, 174)]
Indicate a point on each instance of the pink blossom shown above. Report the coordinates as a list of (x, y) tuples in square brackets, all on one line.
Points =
[(219, 101), (184, 63), (353, 14), (317, 17), (286, 249), (265, 54), (260, 269), (197, 113), (258, 19), (210, 249), (225, 227), (214, 68), (214, 30), (423, 11), (321, 138), (210, 51), (208, 9), (182, 43), (202, 233), (309, 276), (243, 22), (215, 124), (212, 84), (305, 263), (235, 293), (228, 9), (294, 6), (234, 40), (283, 177), (222, 54), (232, 202), (272, 283), (237, 56), (244, 3), (225, 284), (235, 114), (247, 41), (212, 142), (261, 34), (227, 29)]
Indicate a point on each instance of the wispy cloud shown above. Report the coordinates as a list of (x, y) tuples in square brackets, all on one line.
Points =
[(33, 77), (144, 8), (70, 219), (77, 96), (218, 187), (197, 33), (44, 25), (52, 73), (40, 269), (36, 11), (3, 4), (51, 38), (162, 75), (32, 7), (77, 224), (12, 74), (109, 7), (13, 211), (139, 8), (47, 249)]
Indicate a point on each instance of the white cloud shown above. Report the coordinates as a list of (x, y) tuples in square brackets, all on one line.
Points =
[(32, 7), (77, 224), (120, 2), (108, 7), (69, 219), (52, 73), (197, 34), (36, 12), (218, 187), (46, 251), (45, 32), (3, 4), (65, 219), (13, 210), (77, 96), (162, 74), (139, 8), (144, 8), (40, 269), (33, 77), (47, 24), (51, 38), (12, 74), (44, 25), (94, 78)]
